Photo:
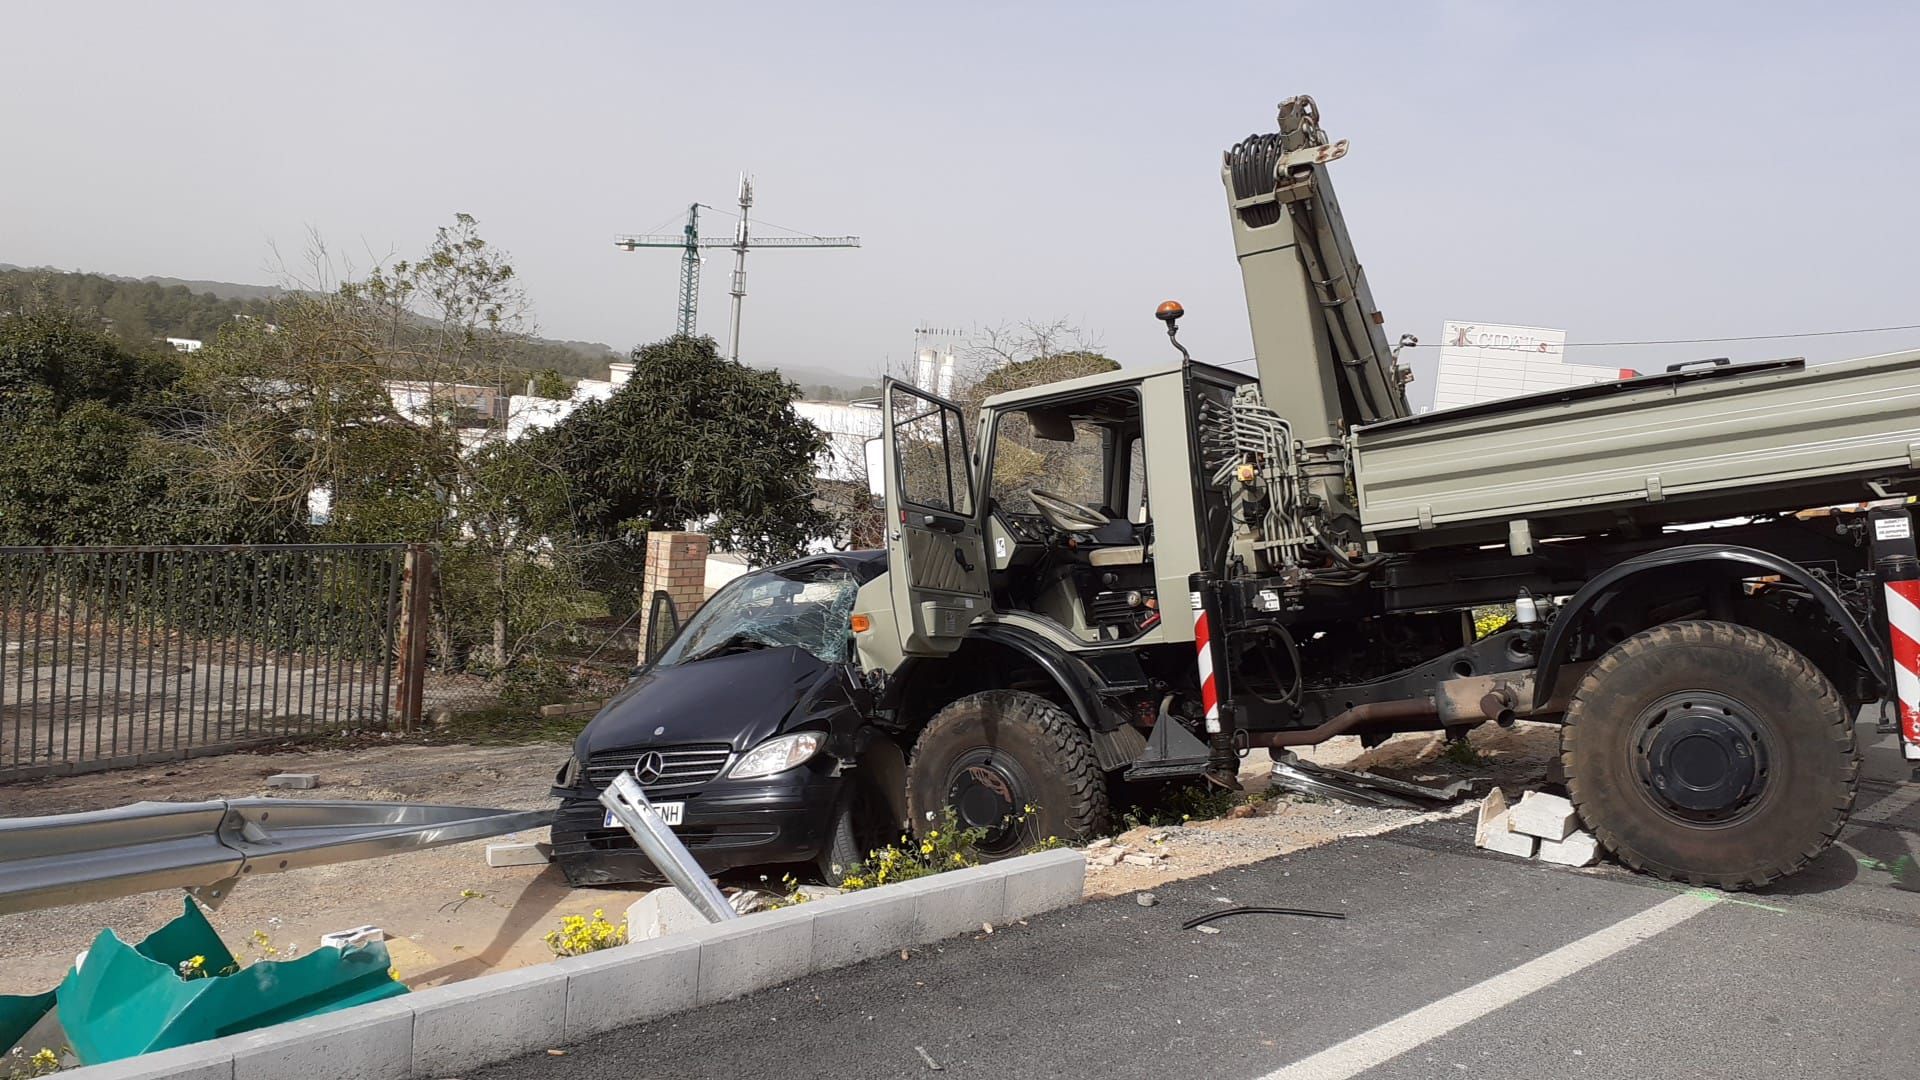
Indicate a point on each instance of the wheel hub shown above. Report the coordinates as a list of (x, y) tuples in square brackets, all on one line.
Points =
[(1701, 756), (987, 792)]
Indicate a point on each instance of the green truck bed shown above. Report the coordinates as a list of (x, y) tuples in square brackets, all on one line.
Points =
[(1694, 445)]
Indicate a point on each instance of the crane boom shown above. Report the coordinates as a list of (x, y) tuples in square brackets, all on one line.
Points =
[(673, 240), (1317, 336), (692, 243)]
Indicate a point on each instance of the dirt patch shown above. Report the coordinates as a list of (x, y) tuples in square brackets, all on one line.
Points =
[(437, 935), (1515, 758)]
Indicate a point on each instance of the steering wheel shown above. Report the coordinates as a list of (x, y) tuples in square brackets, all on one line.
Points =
[(1065, 514)]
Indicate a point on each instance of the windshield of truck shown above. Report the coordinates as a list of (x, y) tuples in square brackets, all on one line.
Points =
[(1022, 461), (808, 606)]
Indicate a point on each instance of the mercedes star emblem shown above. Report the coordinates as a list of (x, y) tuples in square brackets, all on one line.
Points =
[(649, 767)]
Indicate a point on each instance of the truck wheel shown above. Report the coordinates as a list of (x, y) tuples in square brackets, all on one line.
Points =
[(992, 755), (1709, 753)]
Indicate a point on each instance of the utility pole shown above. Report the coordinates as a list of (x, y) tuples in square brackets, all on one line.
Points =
[(690, 242)]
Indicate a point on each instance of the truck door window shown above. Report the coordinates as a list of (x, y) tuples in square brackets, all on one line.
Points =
[(931, 452)]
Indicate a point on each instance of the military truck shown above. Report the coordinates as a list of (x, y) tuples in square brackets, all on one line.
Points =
[(1146, 574)]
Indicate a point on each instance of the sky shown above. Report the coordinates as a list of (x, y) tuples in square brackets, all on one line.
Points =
[(1623, 171)]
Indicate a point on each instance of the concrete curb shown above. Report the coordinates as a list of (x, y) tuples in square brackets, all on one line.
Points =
[(449, 1029)]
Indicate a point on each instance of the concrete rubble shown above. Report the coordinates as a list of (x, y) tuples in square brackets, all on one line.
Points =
[(660, 913), (1541, 825), (499, 855), (1548, 817)]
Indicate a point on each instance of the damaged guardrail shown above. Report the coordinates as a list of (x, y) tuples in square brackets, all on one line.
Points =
[(208, 847), (627, 801)]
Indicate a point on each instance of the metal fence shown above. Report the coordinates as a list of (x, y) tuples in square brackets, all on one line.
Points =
[(119, 655)]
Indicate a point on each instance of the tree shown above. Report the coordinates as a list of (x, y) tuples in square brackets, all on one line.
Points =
[(693, 438), (386, 392), (550, 384), (1014, 356), (88, 447)]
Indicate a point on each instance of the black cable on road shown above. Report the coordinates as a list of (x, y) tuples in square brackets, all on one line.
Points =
[(1210, 916)]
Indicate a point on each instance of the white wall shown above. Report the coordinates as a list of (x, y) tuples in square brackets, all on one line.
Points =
[(1489, 361), (847, 428)]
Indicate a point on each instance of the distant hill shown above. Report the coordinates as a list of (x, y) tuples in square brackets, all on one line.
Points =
[(142, 311)]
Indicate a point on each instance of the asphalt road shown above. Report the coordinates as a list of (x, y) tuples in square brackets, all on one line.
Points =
[(1451, 962)]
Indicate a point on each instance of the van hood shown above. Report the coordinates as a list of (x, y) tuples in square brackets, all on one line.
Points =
[(740, 699)]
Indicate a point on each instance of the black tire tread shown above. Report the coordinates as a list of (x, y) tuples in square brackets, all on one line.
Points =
[(1069, 747), (1706, 632)]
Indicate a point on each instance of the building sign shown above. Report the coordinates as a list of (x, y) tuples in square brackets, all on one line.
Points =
[(1489, 361)]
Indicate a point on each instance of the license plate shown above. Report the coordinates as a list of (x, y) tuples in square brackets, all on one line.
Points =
[(670, 812)]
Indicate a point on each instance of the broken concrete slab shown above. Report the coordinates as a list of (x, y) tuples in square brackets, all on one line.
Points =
[(1548, 817), (1494, 806), (294, 781), (662, 912), (1501, 838), (1579, 849), (499, 855)]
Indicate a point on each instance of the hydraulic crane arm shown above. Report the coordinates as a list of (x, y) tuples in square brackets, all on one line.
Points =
[(1322, 356)]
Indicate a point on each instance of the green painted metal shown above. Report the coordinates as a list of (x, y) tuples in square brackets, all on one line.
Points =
[(18, 1014), (689, 274), (125, 999)]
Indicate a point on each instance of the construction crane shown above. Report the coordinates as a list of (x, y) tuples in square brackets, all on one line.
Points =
[(690, 243)]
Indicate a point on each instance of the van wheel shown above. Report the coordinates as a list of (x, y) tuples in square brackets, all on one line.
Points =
[(1710, 753), (991, 756), (843, 851)]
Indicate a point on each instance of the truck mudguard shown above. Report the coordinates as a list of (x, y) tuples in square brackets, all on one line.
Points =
[(1736, 561), (1076, 679)]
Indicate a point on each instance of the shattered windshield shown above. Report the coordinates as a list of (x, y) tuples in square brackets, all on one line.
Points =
[(807, 606)]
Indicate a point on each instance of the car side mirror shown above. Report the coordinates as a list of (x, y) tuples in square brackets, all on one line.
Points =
[(876, 468)]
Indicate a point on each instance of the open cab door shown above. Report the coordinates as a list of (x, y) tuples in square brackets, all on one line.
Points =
[(936, 559)]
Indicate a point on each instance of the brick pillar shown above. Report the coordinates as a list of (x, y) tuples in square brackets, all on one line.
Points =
[(677, 563)]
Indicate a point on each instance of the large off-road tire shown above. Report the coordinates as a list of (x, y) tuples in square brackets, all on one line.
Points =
[(1011, 763), (1709, 753)]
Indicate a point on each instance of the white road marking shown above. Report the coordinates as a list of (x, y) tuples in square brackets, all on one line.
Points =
[(1429, 1022)]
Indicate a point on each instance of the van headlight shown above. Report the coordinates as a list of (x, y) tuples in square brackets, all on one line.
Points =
[(778, 754)]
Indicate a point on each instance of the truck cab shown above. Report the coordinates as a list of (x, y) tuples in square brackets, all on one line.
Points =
[(1072, 512)]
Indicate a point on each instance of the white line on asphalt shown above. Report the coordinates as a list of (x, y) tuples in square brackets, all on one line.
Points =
[(1429, 1022)]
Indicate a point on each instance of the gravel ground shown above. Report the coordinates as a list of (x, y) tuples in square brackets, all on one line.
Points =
[(437, 936), (1515, 758)]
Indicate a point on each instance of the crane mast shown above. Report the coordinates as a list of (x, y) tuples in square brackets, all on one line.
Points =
[(691, 243), (1324, 365), (1322, 356)]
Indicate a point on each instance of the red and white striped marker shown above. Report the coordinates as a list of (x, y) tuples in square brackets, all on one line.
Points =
[(1903, 621), (1203, 645)]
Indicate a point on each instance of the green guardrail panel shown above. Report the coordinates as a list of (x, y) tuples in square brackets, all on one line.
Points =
[(125, 1000), (18, 1014)]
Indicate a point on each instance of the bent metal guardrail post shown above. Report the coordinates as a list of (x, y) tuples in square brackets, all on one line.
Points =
[(628, 803), (208, 847)]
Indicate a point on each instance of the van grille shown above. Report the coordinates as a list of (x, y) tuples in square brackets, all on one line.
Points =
[(681, 766)]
